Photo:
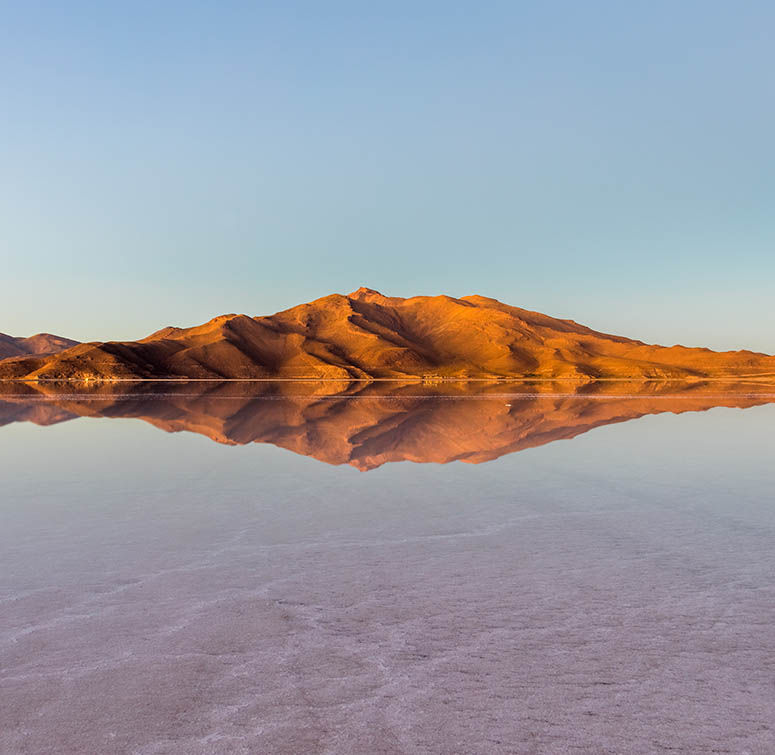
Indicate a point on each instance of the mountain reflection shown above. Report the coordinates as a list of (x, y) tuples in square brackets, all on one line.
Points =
[(370, 424)]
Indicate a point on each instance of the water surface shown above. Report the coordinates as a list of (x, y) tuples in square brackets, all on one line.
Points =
[(317, 580)]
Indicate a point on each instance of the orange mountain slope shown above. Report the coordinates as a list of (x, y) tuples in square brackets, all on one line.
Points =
[(366, 335), (366, 425)]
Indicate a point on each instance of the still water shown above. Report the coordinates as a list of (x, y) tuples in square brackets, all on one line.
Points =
[(238, 569)]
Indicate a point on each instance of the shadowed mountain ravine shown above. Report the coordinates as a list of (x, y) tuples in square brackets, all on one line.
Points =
[(368, 336), (367, 425)]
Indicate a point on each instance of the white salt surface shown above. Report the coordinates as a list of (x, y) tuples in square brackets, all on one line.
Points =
[(162, 594)]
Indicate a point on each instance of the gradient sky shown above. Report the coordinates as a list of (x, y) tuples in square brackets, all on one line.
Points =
[(165, 162)]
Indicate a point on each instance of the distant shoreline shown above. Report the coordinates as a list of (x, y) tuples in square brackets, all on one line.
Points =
[(765, 378)]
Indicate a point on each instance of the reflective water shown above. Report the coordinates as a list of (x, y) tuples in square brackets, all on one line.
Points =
[(293, 588)]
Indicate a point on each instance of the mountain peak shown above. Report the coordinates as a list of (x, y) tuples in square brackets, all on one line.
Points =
[(363, 292)]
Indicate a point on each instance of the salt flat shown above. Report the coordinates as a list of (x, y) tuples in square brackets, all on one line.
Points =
[(160, 593)]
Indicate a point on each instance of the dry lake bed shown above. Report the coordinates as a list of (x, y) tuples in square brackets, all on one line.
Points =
[(610, 590)]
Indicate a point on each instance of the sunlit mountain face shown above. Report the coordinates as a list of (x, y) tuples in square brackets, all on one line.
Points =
[(365, 335)]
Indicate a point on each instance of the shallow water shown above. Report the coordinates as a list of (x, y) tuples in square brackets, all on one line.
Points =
[(164, 593)]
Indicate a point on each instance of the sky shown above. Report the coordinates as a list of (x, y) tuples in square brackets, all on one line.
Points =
[(165, 162)]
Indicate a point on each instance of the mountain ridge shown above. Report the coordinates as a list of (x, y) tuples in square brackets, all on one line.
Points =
[(365, 335)]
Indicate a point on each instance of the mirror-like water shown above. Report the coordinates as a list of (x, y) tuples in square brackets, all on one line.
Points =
[(164, 593)]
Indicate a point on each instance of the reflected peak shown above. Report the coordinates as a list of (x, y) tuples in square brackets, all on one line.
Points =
[(368, 425)]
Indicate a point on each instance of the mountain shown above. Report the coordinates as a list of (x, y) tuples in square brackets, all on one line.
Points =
[(42, 343), (366, 425), (366, 335)]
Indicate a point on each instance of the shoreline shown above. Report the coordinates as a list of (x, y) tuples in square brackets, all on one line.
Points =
[(767, 378)]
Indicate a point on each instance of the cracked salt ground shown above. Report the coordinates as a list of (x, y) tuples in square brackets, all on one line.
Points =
[(161, 594)]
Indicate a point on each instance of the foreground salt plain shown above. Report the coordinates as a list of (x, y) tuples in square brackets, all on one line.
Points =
[(161, 593)]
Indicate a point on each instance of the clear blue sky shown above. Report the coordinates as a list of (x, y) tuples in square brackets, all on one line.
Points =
[(612, 162)]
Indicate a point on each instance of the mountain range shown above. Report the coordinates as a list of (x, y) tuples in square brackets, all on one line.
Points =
[(367, 336)]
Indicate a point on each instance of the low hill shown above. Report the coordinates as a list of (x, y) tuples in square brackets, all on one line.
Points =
[(41, 343)]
